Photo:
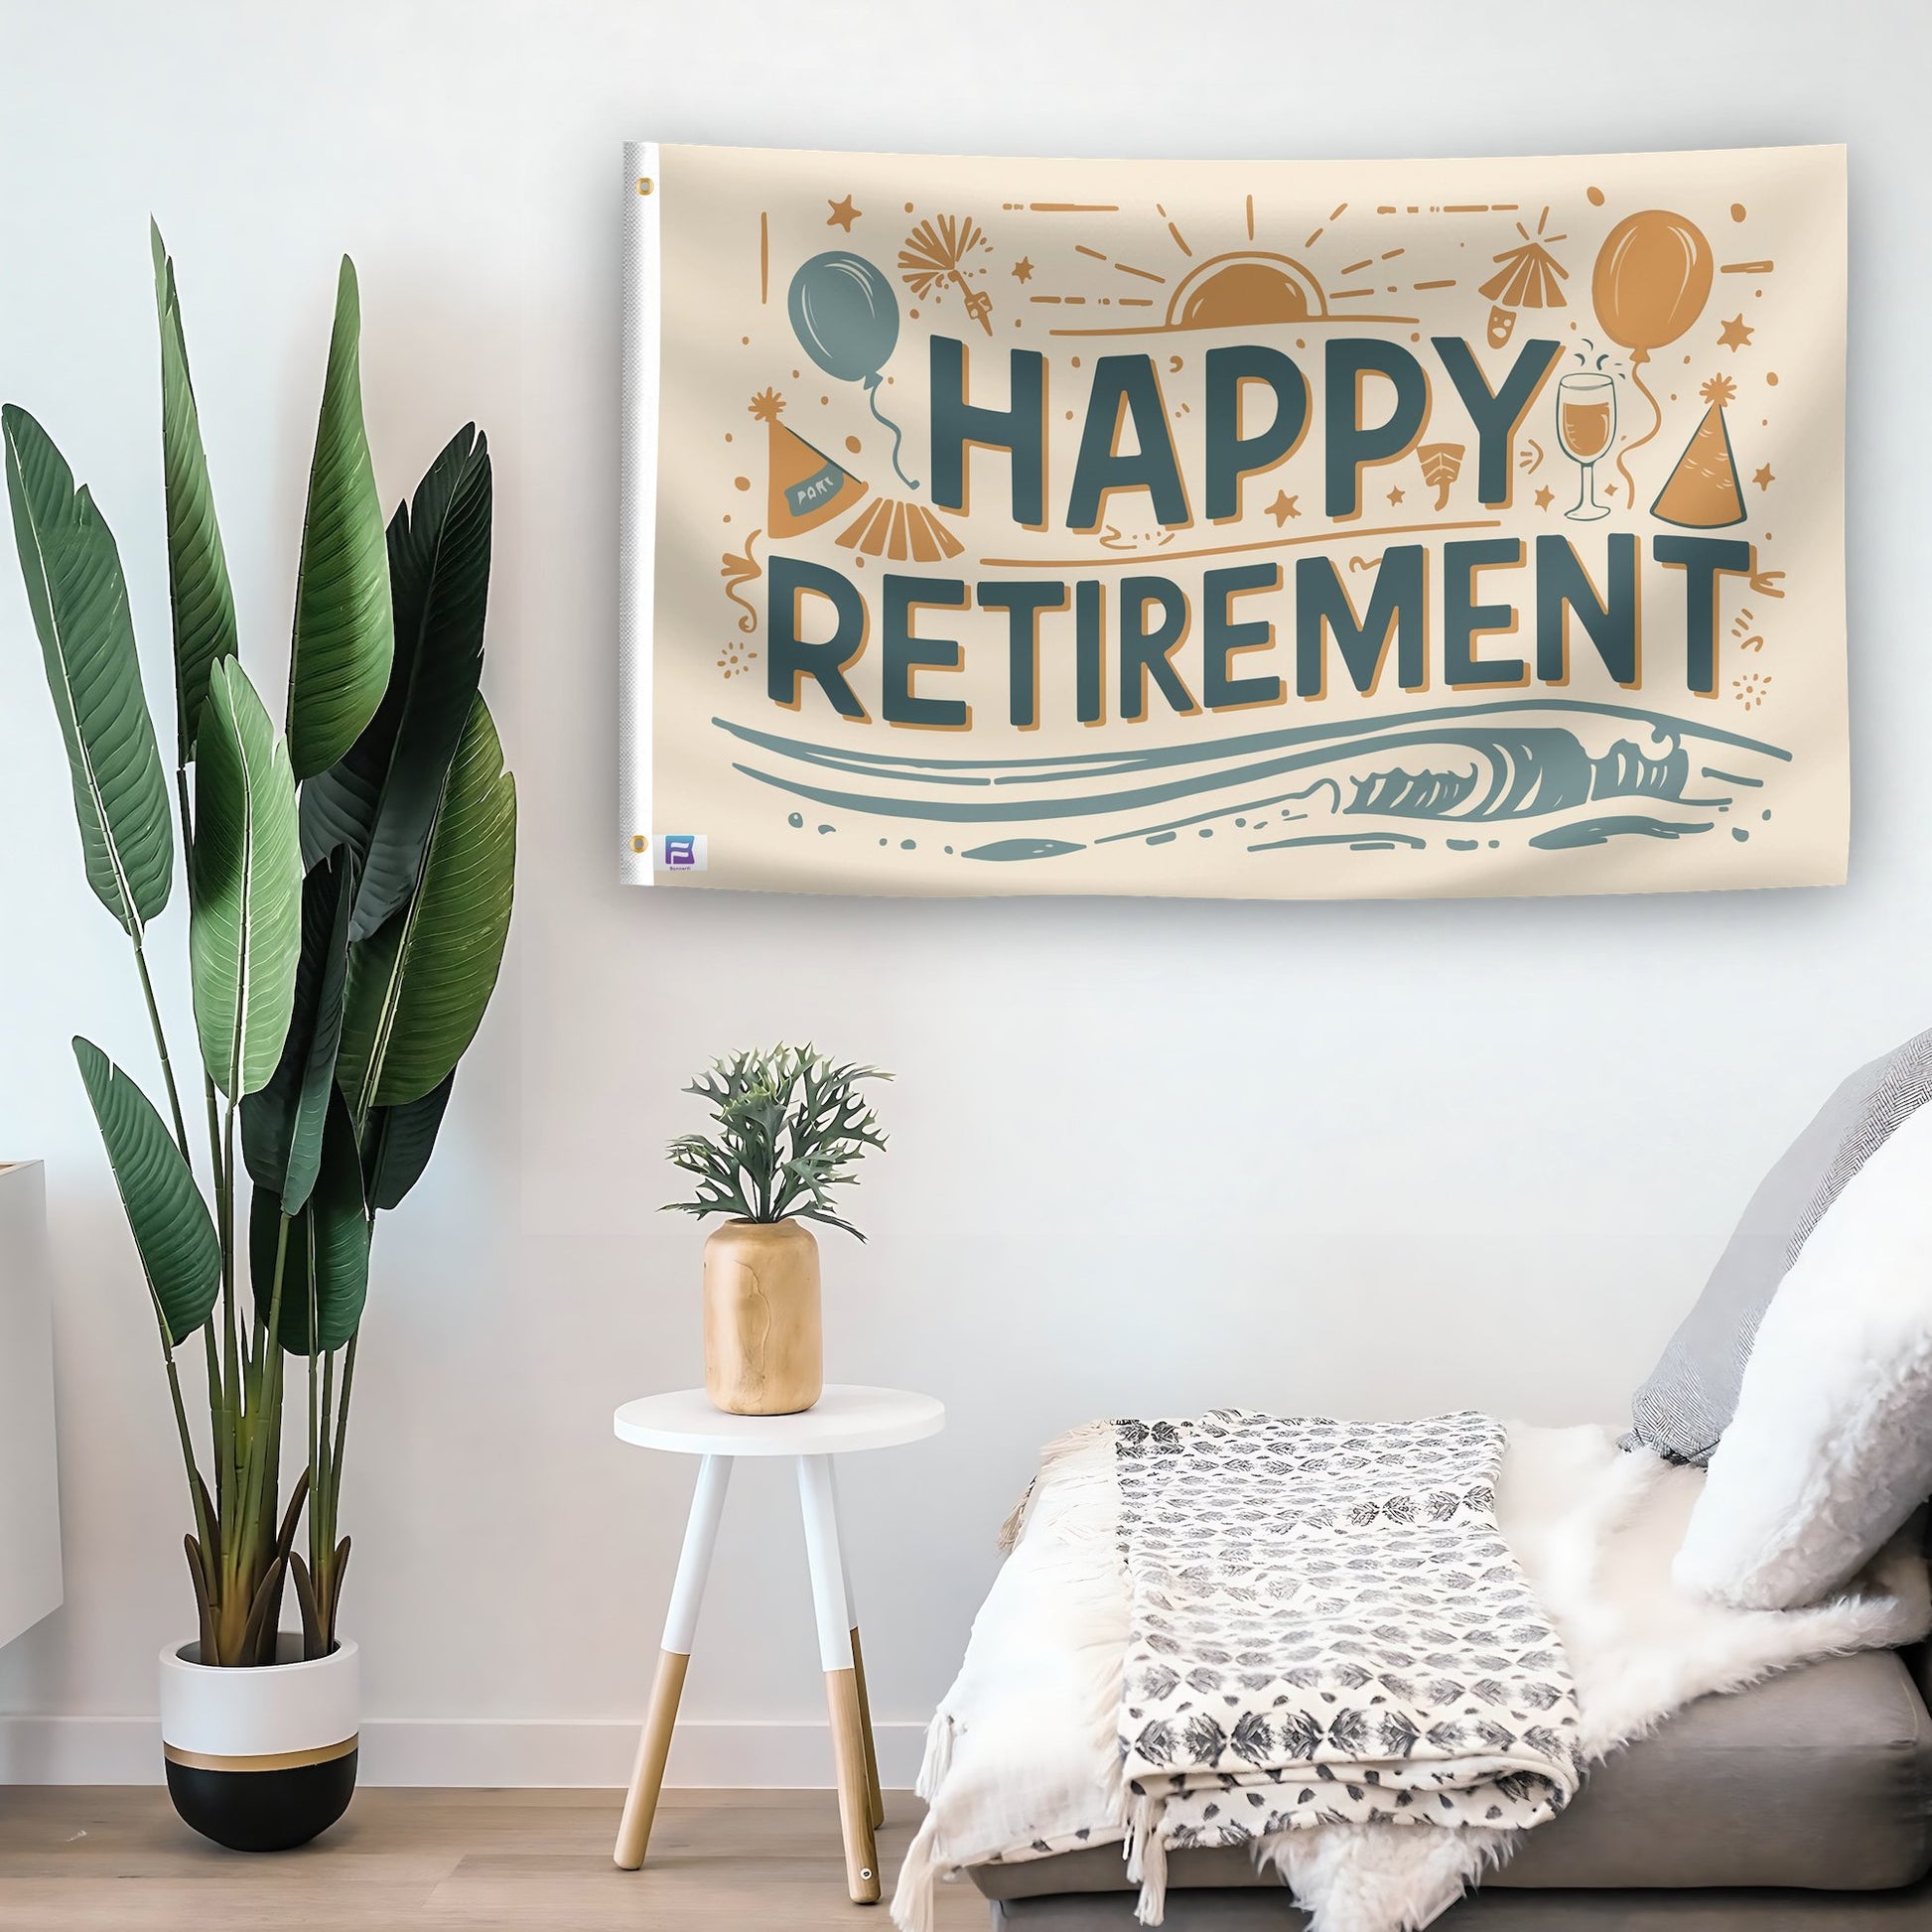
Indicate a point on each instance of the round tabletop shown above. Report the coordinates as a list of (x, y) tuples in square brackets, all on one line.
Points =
[(845, 1418)]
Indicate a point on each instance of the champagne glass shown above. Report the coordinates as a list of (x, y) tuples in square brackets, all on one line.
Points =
[(1587, 427)]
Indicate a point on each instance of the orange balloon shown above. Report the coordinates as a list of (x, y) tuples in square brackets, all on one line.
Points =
[(1652, 280)]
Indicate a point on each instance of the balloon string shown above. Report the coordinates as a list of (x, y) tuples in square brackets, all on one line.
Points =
[(1656, 423), (872, 396)]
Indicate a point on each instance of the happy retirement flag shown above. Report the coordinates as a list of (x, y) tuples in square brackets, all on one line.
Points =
[(1245, 529)]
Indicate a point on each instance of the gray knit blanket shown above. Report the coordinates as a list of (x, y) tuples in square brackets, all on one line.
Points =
[(1327, 1626)]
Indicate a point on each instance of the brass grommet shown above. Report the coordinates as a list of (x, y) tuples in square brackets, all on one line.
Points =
[(643, 184)]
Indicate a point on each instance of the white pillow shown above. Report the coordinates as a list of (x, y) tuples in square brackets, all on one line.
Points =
[(1830, 1451)]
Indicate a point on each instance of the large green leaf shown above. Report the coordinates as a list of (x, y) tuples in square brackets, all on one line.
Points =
[(173, 1232), (281, 1126), (380, 797), (326, 1264), (398, 1143), (418, 989), (78, 598), (344, 631), (244, 933), (198, 570)]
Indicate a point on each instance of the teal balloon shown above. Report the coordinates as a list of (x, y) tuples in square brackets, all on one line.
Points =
[(845, 315)]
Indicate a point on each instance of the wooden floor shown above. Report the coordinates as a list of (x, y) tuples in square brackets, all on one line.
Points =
[(116, 1859)]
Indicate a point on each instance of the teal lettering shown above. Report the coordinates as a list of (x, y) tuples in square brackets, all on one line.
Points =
[(901, 653), (1352, 443), (1019, 429), (1495, 413), (1397, 605), (1232, 456), (789, 659), (1126, 386)]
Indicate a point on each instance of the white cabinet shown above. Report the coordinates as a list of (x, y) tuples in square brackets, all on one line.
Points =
[(30, 1510)]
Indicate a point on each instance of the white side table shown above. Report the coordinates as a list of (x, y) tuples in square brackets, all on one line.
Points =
[(845, 1420)]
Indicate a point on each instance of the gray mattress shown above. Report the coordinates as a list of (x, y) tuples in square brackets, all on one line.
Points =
[(1806, 1801)]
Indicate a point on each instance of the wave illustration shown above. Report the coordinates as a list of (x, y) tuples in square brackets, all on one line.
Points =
[(1490, 766)]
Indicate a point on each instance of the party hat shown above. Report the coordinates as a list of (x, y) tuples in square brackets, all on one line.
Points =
[(1702, 492), (806, 485)]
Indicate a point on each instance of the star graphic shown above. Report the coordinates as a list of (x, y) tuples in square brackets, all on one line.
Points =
[(1764, 478), (1395, 495), (1735, 333), (1022, 270), (1545, 497), (843, 214), (1283, 507)]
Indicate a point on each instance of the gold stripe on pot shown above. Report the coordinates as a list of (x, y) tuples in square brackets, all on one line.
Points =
[(266, 1761)]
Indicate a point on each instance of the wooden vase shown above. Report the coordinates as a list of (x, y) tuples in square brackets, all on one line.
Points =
[(763, 1344)]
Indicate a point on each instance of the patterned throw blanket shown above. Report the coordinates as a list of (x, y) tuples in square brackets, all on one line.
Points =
[(1327, 1626)]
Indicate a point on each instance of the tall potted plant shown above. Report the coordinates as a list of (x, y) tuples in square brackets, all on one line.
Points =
[(789, 1127), (350, 880)]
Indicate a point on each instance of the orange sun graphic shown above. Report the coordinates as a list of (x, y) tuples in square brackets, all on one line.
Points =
[(1246, 291), (1249, 286)]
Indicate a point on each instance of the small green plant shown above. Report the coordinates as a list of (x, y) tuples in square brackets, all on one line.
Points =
[(791, 1127)]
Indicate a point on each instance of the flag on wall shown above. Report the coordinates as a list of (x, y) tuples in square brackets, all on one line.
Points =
[(1234, 529)]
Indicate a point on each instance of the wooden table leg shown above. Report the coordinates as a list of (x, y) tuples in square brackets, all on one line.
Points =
[(680, 1626), (820, 1511), (876, 1796)]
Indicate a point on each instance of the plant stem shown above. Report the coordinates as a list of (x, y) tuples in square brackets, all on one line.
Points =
[(219, 1414), (161, 1047), (230, 1347)]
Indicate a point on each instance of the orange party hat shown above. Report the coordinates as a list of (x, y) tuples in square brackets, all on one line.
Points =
[(1702, 492), (806, 485)]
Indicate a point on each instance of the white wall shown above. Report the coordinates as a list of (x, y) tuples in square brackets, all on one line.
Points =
[(1147, 1157)]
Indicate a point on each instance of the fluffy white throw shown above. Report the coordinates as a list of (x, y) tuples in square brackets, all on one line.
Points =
[(1023, 1759)]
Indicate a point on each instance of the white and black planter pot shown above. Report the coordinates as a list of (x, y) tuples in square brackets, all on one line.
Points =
[(261, 1759)]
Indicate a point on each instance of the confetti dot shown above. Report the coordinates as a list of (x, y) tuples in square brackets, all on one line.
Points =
[(1766, 815), (741, 482), (823, 829), (794, 819), (908, 845), (825, 402), (881, 841), (1595, 196), (1772, 379), (794, 373), (745, 339), (1739, 833), (1207, 831), (1737, 211), (728, 435), (852, 444), (728, 519), (913, 313), (948, 848), (1077, 361), (909, 210)]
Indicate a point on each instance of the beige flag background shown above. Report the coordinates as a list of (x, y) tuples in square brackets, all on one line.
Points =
[(1242, 529)]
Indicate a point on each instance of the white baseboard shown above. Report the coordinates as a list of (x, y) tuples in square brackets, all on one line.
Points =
[(483, 1752)]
